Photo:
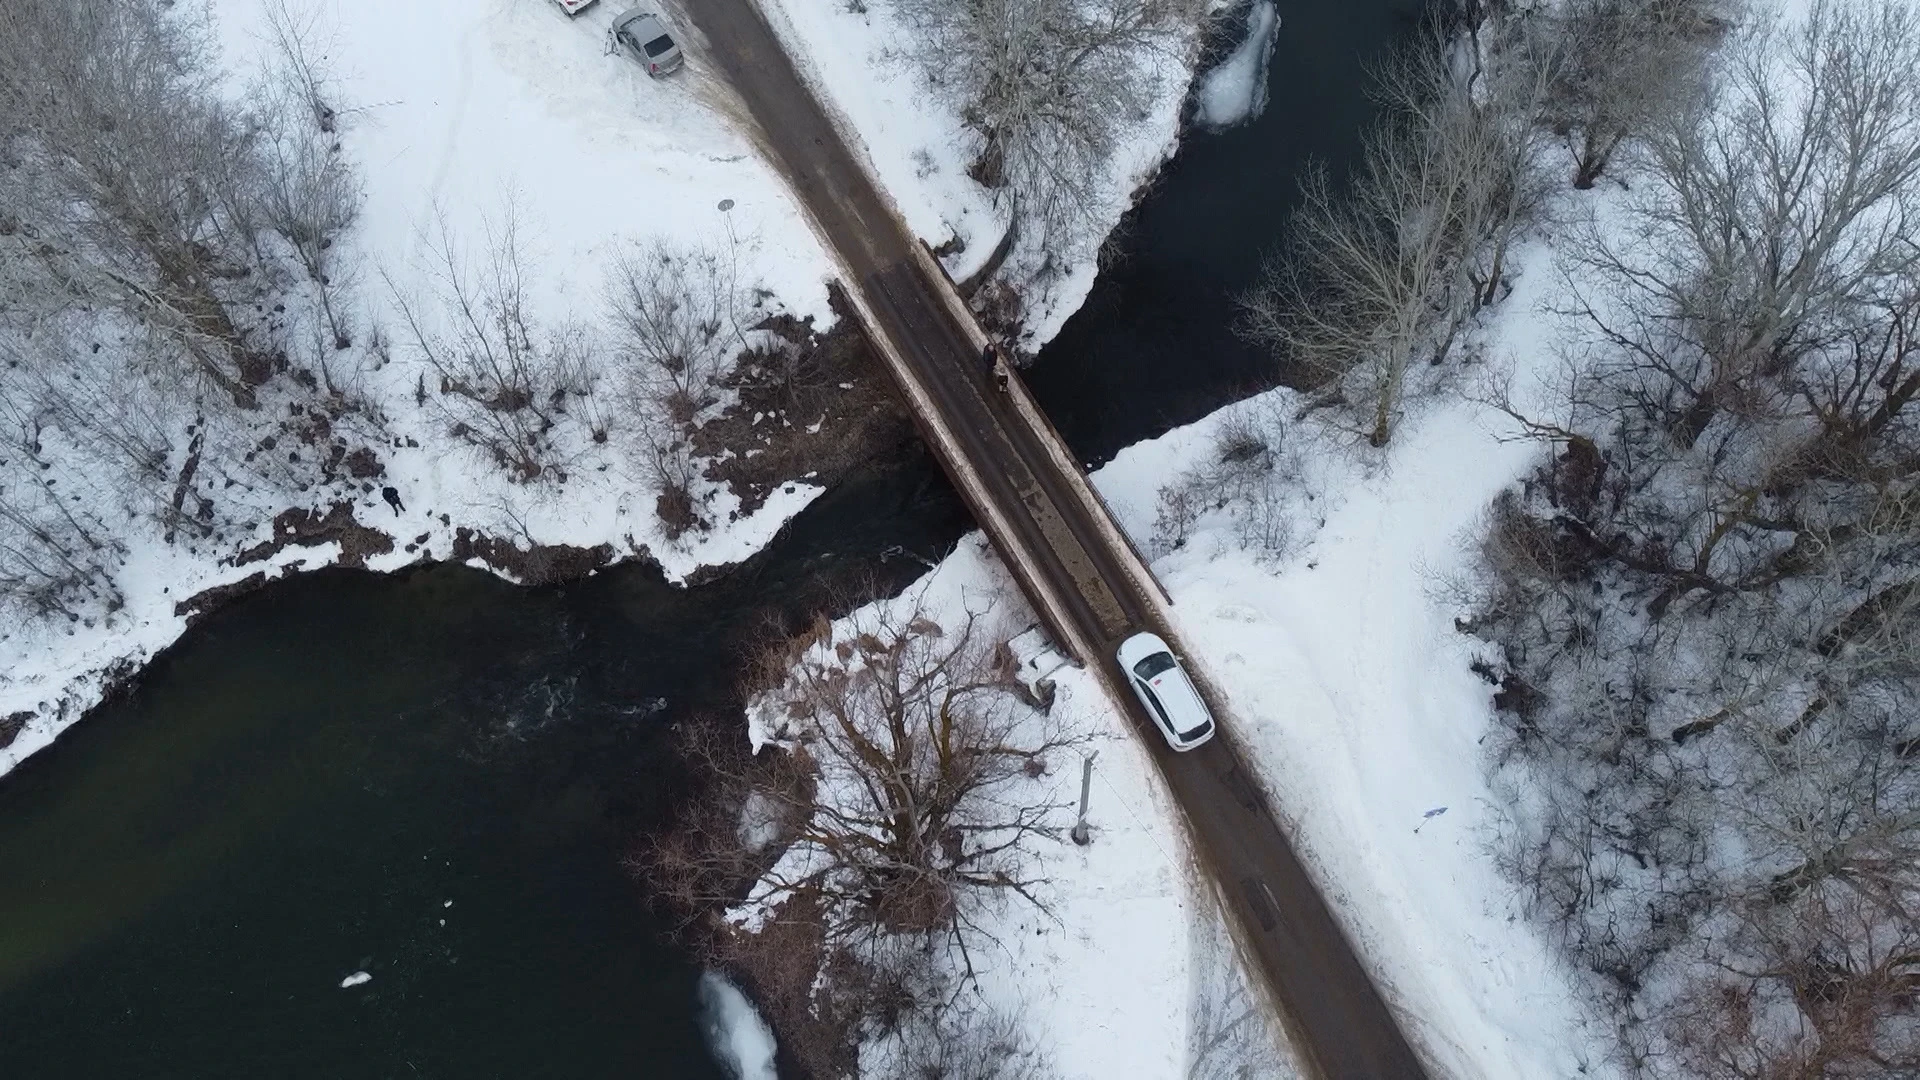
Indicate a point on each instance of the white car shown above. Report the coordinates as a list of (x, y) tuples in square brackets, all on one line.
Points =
[(574, 7), (1163, 687)]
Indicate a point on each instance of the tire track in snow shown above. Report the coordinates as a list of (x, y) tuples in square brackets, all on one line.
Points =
[(451, 142)]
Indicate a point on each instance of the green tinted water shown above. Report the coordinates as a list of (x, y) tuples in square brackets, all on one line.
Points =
[(426, 778)]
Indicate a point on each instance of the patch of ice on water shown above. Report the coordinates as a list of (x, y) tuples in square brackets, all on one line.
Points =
[(1236, 90), (740, 1039)]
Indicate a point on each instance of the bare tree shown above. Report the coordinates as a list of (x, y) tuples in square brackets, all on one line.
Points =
[(924, 759), (1048, 86), (676, 315), (1387, 270), (1707, 599), (501, 381), (904, 789), (137, 162), (1751, 331), (1777, 208), (310, 193), (1625, 65), (86, 437), (137, 261)]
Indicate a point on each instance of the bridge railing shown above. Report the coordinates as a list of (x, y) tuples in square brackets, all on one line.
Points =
[(1095, 504)]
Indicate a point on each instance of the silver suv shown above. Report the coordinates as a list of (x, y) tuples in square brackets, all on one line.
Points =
[(641, 35)]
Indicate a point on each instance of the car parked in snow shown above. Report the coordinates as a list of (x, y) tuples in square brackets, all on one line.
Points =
[(574, 7), (1162, 686), (641, 35)]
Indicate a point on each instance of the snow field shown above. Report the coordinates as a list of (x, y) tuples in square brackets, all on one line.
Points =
[(472, 109)]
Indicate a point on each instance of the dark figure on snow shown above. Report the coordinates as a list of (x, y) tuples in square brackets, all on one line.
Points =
[(392, 495), (994, 359)]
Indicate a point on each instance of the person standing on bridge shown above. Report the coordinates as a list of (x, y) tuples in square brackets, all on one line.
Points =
[(994, 359)]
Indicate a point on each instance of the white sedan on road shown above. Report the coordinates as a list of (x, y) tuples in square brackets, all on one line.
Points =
[(574, 7), (1163, 687)]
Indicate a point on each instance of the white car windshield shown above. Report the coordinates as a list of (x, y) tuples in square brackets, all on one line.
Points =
[(1154, 665), (658, 45)]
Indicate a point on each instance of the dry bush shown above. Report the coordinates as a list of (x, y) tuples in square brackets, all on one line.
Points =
[(500, 381), (676, 317), (1248, 475), (675, 314), (669, 469)]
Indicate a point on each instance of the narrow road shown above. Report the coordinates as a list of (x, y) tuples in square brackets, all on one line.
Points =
[(1064, 551)]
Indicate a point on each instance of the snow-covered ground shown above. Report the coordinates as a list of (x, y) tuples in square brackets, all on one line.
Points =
[(1349, 685), (467, 109), (1332, 641)]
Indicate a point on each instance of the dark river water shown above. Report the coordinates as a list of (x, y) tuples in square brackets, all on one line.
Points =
[(432, 777)]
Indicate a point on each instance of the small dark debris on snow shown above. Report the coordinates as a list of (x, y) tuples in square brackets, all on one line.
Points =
[(10, 726)]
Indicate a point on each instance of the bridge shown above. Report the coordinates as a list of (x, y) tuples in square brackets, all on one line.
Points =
[(1084, 578)]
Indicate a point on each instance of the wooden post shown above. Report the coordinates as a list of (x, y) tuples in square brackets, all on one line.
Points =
[(1080, 834)]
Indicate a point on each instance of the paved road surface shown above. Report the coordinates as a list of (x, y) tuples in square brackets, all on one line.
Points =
[(1335, 1013)]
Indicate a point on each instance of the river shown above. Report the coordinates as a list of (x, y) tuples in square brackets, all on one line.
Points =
[(432, 777)]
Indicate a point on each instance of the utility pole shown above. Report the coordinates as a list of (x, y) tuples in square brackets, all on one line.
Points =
[(1080, 834)]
